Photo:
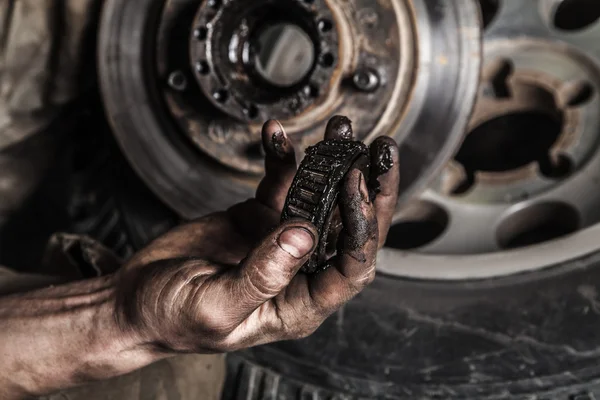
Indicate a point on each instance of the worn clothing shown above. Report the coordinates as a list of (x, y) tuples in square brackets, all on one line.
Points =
[(46, 64), (47, 57)]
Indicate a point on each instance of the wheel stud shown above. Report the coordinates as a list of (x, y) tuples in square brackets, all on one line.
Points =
[(178, 81), (366, 80), (221, 96)]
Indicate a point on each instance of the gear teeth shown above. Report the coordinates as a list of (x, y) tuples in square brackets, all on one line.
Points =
[(307, 196), (299, 212), (314, 176), (314, 192)]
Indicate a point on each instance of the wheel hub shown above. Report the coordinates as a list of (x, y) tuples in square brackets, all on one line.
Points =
[(245, 56), (190, 123), (250, 64)]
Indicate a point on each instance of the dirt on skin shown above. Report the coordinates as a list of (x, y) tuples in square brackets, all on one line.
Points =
[(280, 144), (381, 156)]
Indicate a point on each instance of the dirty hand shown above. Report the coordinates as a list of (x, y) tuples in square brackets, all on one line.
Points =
[(229, 280)]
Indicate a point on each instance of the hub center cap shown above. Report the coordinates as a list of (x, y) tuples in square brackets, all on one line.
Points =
[(266, 59)]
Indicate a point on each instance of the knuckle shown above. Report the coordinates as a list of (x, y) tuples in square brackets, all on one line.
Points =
[(260, 283)]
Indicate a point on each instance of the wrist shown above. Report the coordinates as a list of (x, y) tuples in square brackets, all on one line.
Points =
[(65, 336)]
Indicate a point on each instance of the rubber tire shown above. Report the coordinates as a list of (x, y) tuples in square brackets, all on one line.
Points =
[(528, 336)]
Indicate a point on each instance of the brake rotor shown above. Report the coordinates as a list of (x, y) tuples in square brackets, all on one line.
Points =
[(187, 85)]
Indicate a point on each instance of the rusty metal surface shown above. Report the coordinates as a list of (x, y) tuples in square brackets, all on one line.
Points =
[(198, 159), (365, 34), (224, 51)]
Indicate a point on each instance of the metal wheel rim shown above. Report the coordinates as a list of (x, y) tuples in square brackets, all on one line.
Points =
[(515, 20)]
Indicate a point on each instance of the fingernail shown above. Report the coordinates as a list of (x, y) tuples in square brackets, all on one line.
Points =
[(339, 127), (280, 142), (297, 242), (274, 138), (362, 189)]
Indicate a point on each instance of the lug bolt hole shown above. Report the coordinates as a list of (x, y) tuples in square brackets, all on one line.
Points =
[(421, 223), (200, 33), (537, 224), (214, 4), (573, 15), (325, 25), (251, 111), (557, 169), (221, 95), (327, 60), (311, 90), (577, 94), (202, 67)]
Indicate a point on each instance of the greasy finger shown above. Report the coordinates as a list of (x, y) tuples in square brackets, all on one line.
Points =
[(357, 244), (309, 299), (280, 166), (385, 177), (313, 298), (269, 268), (339, 128)]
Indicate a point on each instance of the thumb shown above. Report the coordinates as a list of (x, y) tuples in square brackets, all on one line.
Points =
[(270, 266)]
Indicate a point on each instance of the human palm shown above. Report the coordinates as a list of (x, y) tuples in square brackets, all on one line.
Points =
[(230, 280)]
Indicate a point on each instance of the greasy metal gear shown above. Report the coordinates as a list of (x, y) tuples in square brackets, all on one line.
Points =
[(315, 190)]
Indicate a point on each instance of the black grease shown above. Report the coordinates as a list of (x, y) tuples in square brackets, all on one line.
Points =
[(383, 160), (280, 145), (362, 189), (339, 127), (331, 159), (358, 227)]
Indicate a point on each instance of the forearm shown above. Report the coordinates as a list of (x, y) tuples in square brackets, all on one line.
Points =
[(64, 336)]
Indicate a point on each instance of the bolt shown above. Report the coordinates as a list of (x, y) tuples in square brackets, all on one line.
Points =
[(178, 81), (251, 111), (214, 3), (310, 91), (202, 67), (325, 25), (221, 96), (366, 80), (200, 33)]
